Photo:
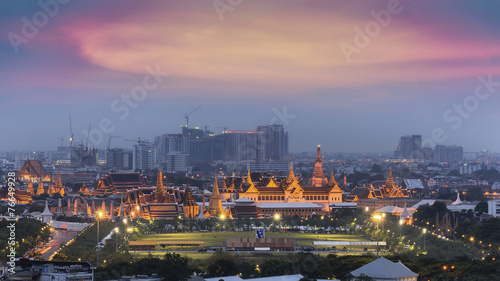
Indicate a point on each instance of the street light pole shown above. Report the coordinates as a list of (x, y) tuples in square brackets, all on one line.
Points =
[(425, 231), (277, 218), (116, 231), (125, 223), (378, 218), (99, 215), (400, 226)]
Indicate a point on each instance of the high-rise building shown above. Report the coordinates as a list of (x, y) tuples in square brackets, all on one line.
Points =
[(410, 147), (119, 158), (276, 141), (448, 153), (144, 156), (82, 156), (161, 143), (268, 143), (207, 148), (245, 145), (177, 162)]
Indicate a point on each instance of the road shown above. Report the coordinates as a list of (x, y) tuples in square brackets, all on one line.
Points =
[(59, 238)]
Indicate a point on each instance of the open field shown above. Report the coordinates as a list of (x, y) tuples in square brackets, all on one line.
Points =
[(218, 239)]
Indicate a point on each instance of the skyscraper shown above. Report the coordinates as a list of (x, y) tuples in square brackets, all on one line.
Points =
[(144, 156), (448, 153), (276, 142), (410, 147), (245, 145), (119, 158), (177, 161)]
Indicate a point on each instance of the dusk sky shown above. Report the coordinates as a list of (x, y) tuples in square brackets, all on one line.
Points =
[(336, 73)]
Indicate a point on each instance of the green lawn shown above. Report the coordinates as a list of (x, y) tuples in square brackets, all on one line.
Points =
[(217, 239)]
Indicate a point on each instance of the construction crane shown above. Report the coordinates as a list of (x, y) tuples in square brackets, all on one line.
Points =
[(109, 141), (224, 128), (71, 138), (187, 115), (138, 141), (87, 142)]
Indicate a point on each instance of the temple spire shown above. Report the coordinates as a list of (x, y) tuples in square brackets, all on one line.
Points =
[(291, 175), (215, 190), (30, 189), (390, 180), (188, 197), (318, 177), (160, 191), (215, 203), (224, 186), (249, 177), (332, 181), (58, 179), (232, 187), (40, 190)]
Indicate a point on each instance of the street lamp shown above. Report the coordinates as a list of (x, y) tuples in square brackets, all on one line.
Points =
[(222, 217), (116, 231), (378, 218), (277, 217), (99, 215), (400, 226), (425, 231)]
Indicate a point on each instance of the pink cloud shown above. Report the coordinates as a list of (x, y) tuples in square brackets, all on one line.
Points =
[(277, 50)]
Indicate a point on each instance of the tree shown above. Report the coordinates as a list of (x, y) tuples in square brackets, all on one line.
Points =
[(440, 206), (175, 268), (222, 264), (445, 193), (60, 257), (424, 214), (275, 267), (475, 194), (364, 277), (481, 207)]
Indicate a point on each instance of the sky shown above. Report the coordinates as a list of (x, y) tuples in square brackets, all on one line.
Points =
[(353, 76)]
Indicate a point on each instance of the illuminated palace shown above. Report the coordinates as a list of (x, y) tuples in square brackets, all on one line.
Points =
[(246, 195), (291, 189)]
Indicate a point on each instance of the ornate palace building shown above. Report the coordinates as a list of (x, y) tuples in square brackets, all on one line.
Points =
[(31, 173), (113, 183), (291, 189), (387, 190)]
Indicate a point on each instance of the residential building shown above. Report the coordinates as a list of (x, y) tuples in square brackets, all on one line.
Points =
[(144, 156), (119, 158), (410, 147), (448, 153)]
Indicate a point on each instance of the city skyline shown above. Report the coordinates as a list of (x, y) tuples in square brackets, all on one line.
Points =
[(353, 77)]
